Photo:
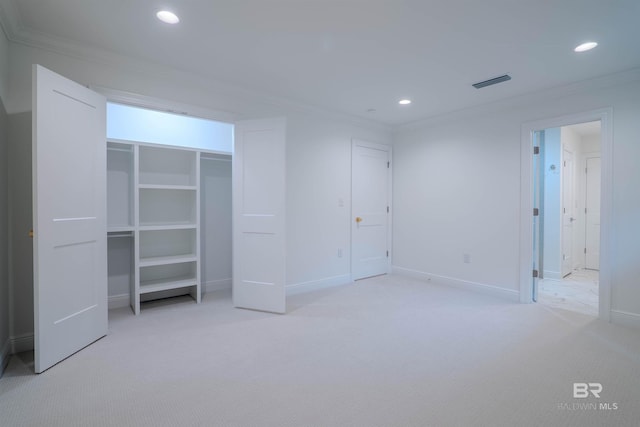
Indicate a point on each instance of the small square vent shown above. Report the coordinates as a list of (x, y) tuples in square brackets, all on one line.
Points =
[(492, 81)]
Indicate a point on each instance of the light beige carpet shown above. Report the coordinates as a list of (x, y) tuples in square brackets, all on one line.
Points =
[(388, 351)]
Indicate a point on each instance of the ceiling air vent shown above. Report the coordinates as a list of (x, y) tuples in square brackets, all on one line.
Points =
[(492, 81)]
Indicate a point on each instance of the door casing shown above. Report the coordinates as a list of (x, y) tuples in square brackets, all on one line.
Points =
[(605, 116)]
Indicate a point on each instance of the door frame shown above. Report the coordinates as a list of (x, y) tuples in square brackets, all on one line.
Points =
[(389, 149), (605, 115)]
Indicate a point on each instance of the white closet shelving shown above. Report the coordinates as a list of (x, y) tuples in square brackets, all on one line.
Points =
[(153, 198)]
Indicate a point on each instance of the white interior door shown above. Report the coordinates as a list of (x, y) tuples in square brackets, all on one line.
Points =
[(259, 215), (370, 187), (69, 208), (568, 211), (592, 223)]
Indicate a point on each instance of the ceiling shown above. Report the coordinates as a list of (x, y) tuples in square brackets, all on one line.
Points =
[(587, 130), (354, 56)]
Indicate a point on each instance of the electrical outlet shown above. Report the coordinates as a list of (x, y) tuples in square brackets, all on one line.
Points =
[(466, 258), (340, 203), (339, 253)]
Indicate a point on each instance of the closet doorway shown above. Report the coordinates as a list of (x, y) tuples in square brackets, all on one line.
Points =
[(169, 189)]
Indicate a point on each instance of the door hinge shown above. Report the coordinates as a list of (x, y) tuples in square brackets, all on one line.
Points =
[(536, 150), (536, 212), (388, 165), (585, 250), (387, 254), (535, 273), (387, 209)]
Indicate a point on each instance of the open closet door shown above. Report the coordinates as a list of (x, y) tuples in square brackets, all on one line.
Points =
[(69, 216), (259, 215)]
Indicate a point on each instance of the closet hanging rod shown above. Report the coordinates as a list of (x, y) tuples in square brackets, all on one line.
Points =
[(124, 150), (114, 234), (215, 159)]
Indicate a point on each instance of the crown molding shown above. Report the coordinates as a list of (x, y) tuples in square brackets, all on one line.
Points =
[(602, 82)]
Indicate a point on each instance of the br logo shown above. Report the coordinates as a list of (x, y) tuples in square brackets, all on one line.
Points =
[(582, 390)]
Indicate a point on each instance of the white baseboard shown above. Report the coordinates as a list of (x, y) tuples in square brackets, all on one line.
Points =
[(5, 352), (22, 343), (551, 275), (314, 285), (510, 294), (625, 318), (218, 285), (119, 301)]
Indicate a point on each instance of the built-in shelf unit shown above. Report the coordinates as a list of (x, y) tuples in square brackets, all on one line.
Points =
[(153, 199)]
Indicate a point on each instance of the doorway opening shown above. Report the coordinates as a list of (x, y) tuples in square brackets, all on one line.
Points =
[(169, 186), (566, 235)]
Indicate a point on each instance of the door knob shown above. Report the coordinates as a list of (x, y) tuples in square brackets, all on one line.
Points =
[(358, 219)]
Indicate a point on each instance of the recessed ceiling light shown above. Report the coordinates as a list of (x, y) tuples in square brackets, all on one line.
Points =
[(585, 47), (404, 102), (168, 17)]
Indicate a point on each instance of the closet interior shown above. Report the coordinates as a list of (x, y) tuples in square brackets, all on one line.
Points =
[(168, 221)]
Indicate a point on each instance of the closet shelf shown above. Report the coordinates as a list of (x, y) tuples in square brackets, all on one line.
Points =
[(167, 187), (167, 260), (119, 228), (164, 226), (165, 285)]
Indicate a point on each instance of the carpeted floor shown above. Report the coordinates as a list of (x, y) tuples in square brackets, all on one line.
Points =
[(387, 351)]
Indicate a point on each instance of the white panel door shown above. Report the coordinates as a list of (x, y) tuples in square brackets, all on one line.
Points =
[(568, 211), (370, 186), (592, 223), (259, 215), (69, 215)]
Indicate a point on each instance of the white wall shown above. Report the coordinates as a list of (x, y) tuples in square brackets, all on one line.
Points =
[(455, 192), (4, 240), (318, 178), (318, 157), (20, 222), (552, 246), (215, 224), (4, 66), (456, 188)]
